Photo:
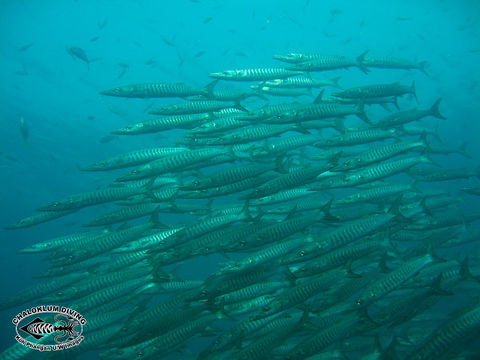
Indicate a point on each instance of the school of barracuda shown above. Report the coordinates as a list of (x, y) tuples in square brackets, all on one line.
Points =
[(332, 250)]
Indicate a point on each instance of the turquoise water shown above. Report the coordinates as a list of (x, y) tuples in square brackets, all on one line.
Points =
[(68, 123)]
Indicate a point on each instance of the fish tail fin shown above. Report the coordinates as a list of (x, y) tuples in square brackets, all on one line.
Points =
[(240, 106), (414, 91), (208, 89), (395, 102), (361, 65), (435, 111), (465, 272), (319, 97), (421, 67), (327, 215), (361, 112), (463, 150), (335, 82)]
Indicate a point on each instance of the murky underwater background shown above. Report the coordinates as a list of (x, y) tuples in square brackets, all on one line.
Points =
[(54, 121)]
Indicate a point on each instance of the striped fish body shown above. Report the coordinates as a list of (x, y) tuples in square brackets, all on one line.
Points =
[(159, 240), (194, 107), (172, 163), (268, 111), (267, 254), (291, 180), (340, 256), (299, 293), (39, 290), (392, 280), (374, 194), (301, 82), (320, 62), (155, 90), (92, 198), (185, 121), (251, 292), (252, 133), (232, 188), (378, 154), (449, 337), (289, 143), (319, 111), (388, 62), (228, 176), (377, 90), (216, 126), (124, 214), (382, 170), (132, 158), (254, 74), (102, 244), (357, 137), (278, 232), (322, 339), (39, 218), (339, 237), (204, 226), (276, 91), (279, 197)]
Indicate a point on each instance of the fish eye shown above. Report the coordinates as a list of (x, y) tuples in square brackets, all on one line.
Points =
[(60, 293), (302, 253)]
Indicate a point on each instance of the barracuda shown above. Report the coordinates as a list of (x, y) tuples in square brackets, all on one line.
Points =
[(404, 117), (163, 123), (254, 74), (320, 111), (254, 133), (392, 280), (92, 198), (196, 107), (356, 137), (158, 90), (125, 214), (374, 194), (231, 175), (382, 170), (377, 90), (379, 153), (341, 236), (172, 163), (388, 62), (39, 218), (133, 158), (322, 62), (291, 180), (342, 255), (302, 82)]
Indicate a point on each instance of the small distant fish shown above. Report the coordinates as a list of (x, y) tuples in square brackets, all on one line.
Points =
[(103, 23), (136, 43), (78, 53), (24, 130), (402, 18), (25, 47), (334, 12), (91, 117), (207, 20), (225, 52), (200, 53), (150, 62), (240, 53), (95, 38), (168, 42), (124, 69), (107, 139)]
